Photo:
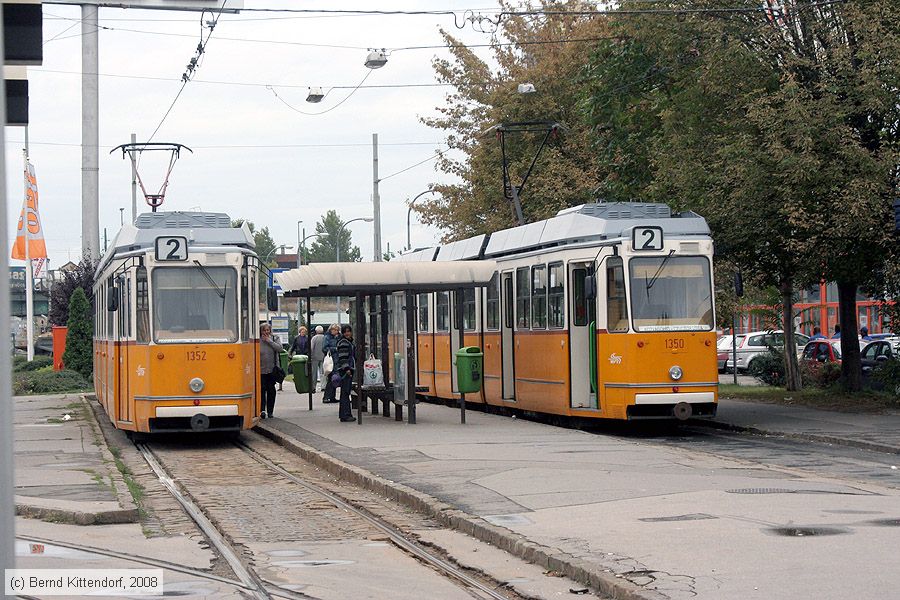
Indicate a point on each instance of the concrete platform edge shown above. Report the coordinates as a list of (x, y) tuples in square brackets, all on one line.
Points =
[(808, 437), (549, 558)]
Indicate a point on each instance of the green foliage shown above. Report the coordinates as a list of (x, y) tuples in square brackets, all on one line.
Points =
[(48, 382), (21, 364), (82, 276), (769, 368), (820, 376), (79, 343), (324, 248), (888, 375)]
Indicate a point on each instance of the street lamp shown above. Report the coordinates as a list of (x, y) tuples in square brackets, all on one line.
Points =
[(376, 59), (409, 214), (265, 262), (337, 256)]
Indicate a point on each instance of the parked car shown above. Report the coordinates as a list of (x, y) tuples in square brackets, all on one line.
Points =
[(723, 349), (817, 352), (755, 343), (878, 352)]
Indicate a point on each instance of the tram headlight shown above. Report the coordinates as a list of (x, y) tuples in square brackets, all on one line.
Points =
[(675, 373), (197, 384)]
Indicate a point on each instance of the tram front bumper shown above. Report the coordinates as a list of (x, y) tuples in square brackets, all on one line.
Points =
[(682, 405)]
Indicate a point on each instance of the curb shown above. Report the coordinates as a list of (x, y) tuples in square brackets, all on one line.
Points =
[(516, 544), (807, 437), (77, 517)]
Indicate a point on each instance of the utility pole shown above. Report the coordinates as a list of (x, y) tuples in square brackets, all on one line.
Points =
[(133, 182), (7, 475), (376, 199), (90, 128)]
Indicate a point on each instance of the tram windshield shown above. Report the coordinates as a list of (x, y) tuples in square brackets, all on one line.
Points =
[(194, 304), (671, 293)]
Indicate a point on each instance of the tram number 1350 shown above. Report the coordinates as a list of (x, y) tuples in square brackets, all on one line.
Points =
[(674, 344)]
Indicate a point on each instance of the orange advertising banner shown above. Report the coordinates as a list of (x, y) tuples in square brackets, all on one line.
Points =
[(30, 218)]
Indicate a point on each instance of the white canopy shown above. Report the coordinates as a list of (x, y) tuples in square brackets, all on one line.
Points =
[(334, 279)]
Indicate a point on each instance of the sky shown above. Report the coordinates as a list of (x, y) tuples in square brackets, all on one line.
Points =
[(254, 156)]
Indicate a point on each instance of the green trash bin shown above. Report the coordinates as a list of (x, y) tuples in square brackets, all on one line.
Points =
[(301, 377), (284, 360), (468, 369)]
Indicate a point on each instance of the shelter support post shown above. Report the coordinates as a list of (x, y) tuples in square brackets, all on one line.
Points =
[(309, 363), (460, 314), (385, 354), (360, 356), (374, 340), (410, 357)]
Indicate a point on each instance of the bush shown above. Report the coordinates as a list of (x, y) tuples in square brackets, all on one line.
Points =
[(48, 382), (769, 368), (888, 375), (21, 364), (79, 339), (82, 276), (821, 376)]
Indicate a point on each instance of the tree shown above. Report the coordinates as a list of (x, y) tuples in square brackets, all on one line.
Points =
[(781, 129), (79, 337), (324, 248), (82, 276), (484, 96), (265, 245)]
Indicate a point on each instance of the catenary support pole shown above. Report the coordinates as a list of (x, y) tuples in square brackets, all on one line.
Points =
[(90, 133), (7, 476), (410, 316), (376, 199), (134, 205)]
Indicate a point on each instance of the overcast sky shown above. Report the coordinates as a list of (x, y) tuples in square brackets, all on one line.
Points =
[(243, 163)]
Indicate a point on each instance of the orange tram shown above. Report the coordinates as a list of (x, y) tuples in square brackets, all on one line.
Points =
[(176, 341), (603, 311)]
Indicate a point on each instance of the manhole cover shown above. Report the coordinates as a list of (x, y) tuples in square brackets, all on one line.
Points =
[(691, 517), (807, 531)]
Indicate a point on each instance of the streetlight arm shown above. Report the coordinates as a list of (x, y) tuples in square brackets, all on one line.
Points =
[(409, 214), (337, 242)]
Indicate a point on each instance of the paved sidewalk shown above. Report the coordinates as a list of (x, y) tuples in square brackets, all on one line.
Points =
[(64, 472), (665, 522), (872, 432)]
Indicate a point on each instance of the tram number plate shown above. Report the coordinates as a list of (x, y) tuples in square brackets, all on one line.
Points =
[(674, 344), (171, 248), (196, 354), (647, 238)]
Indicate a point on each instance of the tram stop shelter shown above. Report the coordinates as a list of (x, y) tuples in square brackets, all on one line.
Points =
[(380, 288)]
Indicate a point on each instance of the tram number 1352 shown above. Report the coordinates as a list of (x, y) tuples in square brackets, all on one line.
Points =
[(196, 354)]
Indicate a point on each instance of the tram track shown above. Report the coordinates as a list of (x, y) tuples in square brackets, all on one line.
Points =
[(256, 587)]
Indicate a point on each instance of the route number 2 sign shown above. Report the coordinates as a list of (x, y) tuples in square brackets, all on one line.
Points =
[(171, 248), (647, 238)]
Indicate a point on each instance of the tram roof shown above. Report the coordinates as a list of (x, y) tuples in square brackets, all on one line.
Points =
[(594, 222), (347, 279), (203, 229)]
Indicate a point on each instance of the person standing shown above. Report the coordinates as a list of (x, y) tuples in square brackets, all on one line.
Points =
[(330, 347), (837, 332), (301, 343), (316, 356), (269, 352), (344, 366), (817, 334)]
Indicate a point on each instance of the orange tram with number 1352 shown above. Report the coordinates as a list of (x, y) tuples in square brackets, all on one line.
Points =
[(176, 340)]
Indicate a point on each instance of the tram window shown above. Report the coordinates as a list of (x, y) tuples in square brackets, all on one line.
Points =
[(442, 313), (245, 305), (508, 302), (616, 311), (110, 315), (493, 304), (579, 297), (539, 297), (556, 306), (422, 307), (523, 298), (195, 303), (142, 303), (468, 308), (120, 290), (671, 293)]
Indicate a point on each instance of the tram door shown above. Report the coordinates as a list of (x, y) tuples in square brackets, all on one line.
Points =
[(124, 322), (508, 335), (582, 337)]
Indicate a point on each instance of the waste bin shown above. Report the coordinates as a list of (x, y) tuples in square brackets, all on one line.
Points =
[(468, 369), (283, 360), (301, 377)]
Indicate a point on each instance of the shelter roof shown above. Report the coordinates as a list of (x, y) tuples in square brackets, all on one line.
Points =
[(344, 279)]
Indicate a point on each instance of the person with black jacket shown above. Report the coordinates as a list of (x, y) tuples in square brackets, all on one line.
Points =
[(344, 366), (269, 353), (301, 343)]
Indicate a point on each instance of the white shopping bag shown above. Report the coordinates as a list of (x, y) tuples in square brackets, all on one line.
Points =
[(328, 364), (372, 373)]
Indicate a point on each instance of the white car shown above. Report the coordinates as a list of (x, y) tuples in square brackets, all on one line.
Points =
[(752, 345)]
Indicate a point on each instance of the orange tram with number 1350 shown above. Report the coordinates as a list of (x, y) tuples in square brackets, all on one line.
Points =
[(604, 311), (176, 340)]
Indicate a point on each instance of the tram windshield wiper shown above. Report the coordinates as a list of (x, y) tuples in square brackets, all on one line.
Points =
[(659, 271), (219, 291)]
